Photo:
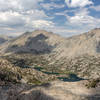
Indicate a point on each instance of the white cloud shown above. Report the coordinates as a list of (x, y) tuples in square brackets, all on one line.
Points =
[(97, 8), (11, 19), (42, 24), (78, 3), (18, 4), (52, 5), (16, 22), (82, 19), (18, 16), (24, 19), (22, 15)]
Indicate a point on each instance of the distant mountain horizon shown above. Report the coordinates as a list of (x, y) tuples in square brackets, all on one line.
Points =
[(66, 36), (87, 43)]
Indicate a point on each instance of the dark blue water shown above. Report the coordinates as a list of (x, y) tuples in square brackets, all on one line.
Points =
[(71, 78), (41, 69), (38, 68)]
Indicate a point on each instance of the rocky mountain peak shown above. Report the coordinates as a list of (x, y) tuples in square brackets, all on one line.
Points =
[(41, 41), (95, 32)]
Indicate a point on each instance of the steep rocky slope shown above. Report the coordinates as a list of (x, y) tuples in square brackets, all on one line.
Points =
[(87, 43), (37, 42), (43, 42)]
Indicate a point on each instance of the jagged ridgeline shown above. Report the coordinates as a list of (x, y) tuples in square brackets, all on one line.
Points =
[(43, 42)]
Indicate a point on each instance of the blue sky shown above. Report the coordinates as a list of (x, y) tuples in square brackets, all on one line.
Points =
[(64, 17)]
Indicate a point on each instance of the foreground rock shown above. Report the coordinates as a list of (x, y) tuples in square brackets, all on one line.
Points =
[(56, 90)]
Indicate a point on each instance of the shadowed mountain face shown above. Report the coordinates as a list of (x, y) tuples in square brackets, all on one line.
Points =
[(34, 45), (43, 42)]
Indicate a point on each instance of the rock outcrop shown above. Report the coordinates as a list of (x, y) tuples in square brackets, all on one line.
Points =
[(57, 90)]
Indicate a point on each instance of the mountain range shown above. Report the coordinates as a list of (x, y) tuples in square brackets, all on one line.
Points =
[(42, 65), (43, 42)]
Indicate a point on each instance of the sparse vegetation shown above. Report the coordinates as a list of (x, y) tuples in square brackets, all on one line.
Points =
[(83, 66), (12, 73), (9, 76), (93, 83)]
